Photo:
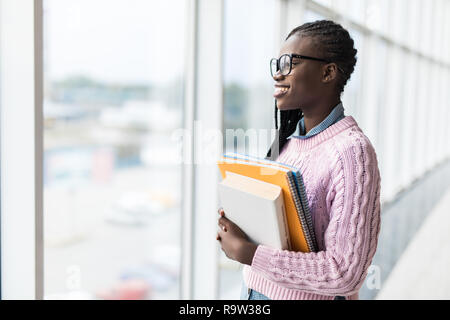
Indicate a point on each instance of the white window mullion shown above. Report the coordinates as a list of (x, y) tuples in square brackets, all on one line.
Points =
[(187, 165), (21, 149), (208, 120), (293, 13)]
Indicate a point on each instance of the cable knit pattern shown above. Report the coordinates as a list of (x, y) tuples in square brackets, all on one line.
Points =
[(342, 182)]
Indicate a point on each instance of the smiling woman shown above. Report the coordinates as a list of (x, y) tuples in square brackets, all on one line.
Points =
[(339, 169), (316, 81)]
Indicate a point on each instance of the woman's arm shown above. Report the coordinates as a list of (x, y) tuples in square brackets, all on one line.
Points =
[(350, 239)]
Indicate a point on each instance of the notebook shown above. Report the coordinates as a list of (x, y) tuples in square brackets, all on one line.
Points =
[(257, 207), (289, 179)]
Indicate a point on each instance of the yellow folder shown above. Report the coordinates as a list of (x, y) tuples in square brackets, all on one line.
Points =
[(275, 173)]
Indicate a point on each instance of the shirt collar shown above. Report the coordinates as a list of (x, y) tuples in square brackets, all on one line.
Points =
[(335, 115)]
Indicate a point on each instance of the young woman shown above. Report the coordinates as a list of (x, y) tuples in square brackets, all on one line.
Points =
[(339, 168)]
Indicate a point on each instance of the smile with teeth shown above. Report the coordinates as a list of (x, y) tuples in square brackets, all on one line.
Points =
[(279, 91)]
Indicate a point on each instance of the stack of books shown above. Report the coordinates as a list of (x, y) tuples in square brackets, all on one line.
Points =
[(267, 200)]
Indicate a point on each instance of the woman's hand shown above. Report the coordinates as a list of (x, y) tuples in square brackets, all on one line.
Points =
[(234, 241)]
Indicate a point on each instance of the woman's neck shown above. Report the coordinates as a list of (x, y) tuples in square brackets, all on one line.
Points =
[(315, 115)]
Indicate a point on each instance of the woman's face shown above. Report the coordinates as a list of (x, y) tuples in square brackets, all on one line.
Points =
[(305, 82)]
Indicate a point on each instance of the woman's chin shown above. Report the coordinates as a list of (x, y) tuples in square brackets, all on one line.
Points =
[(285, 107)]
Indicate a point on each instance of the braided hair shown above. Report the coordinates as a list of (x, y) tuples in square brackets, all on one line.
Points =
[(336, 46)]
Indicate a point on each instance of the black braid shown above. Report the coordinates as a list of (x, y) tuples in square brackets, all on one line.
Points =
[(288, 125), (336, 46)]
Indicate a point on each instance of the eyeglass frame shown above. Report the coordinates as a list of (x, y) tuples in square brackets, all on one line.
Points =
[(294, 55)]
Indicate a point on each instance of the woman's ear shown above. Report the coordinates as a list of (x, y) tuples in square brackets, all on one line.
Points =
[(329, 72)]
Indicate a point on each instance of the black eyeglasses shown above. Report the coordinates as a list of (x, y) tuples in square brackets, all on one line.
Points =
[(284, 63)]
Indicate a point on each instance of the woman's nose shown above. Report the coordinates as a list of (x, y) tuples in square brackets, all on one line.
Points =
[(278, 75)]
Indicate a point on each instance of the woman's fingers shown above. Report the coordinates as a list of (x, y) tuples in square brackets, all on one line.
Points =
[(221, 221), (223, 227), (224, 223)]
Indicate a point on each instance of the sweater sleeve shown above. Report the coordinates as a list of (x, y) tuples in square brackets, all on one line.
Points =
[(350, 238)]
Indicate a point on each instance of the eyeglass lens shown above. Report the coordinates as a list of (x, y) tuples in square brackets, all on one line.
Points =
[(285, 65)]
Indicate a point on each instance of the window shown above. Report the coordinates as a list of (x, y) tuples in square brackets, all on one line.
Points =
[(311, 16), (426, 34), (409, 124), (249, 44), (248, 85), (113, 96), (380, 103), (326, 3), (356, 10), (351, 97), (377, 15), (413, 36), (422, 100), (391, 119), (400, 14)]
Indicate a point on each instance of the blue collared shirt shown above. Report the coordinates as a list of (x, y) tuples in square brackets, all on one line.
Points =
[(335, 115)]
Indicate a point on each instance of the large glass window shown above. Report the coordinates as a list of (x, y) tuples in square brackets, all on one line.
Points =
[(311, 16), (356, 10), (391, 122), (351, 97), (422, 100), (326, 3), (249, 44), (409, 116), (400, 20), (113, 96), (426, 33), (381, 53), (378, 15), (415, 25), (353, 9)]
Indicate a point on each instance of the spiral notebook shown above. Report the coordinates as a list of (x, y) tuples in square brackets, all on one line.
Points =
[(289, 179)]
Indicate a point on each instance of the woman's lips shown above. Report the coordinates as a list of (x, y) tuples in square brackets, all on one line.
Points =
[(280, 91)]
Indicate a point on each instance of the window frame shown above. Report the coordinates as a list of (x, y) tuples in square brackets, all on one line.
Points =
[(21, 87), (22, 275)]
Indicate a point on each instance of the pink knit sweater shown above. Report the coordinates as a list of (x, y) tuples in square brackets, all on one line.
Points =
[(342, 182)]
